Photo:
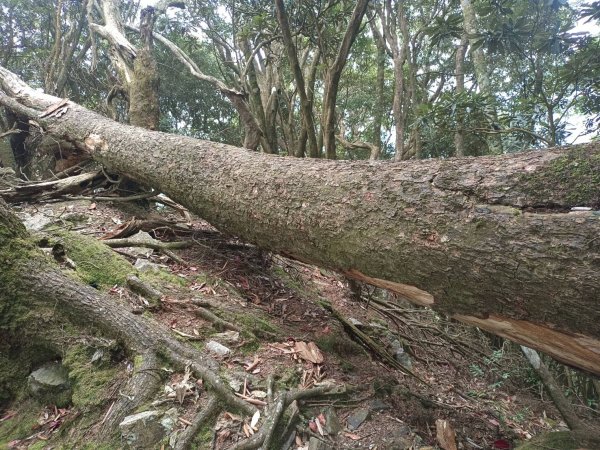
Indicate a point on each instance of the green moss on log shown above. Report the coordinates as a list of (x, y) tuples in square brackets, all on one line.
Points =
[(97, 264), (576, 174)]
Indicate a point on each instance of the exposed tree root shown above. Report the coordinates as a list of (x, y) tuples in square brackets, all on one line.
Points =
[(140, 388), (186, 437), (144, 289), (148, 225), (217, 322), (370, 344), (263, 438)]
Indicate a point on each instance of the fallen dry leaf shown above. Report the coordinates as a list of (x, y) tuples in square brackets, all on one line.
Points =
[(445, 435), (309, 352), (354, 437), (254, 421)]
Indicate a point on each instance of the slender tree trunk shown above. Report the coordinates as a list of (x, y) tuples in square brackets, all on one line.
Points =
[(305, 105), (379, 92), (481, 71), (486, 240), (334, 74), (392, 18), (459, 136)]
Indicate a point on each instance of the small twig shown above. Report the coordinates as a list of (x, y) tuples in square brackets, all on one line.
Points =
[(129, 198)]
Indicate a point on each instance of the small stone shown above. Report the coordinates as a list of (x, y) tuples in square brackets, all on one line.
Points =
[(401, 356), (356, 419), (39, 220), (332, 422), (217, 349), (229, 337), (169, 419), (235, 379), (318, 444), (50, 384), (357, 323), (143, 265), (141, 237), (97, 356), (143, 430)]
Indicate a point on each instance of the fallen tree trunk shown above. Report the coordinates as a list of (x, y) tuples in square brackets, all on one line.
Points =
[(491, 241)]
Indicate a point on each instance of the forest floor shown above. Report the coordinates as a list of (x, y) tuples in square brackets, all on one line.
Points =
[(488, 398)]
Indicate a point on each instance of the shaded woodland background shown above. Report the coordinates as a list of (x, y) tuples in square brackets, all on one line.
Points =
[(336, 79)]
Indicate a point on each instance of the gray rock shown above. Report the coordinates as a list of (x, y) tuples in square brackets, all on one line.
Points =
[(169, 419), (356, 419), (141, 236), (235, 379), (229, 337), (357, 323), (217, 349), (39, 220), (378, 405), (401, 356), (75, 217), (332, 422), (50, 384), (318, 444), (143, 265), (235, 384), (144, 430)]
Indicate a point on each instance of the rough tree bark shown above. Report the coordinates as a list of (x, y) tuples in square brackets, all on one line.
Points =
[(491, 241)]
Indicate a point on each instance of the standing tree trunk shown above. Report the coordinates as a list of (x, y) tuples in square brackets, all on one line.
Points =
[(63, 51), (308, 121), (143, 89), (136, 67), (459, 135), (392, 19), (481, 71), (380, 93), (486, 240), (332, 79)]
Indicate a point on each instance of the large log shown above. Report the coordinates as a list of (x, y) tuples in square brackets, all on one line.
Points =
[(492, 241)]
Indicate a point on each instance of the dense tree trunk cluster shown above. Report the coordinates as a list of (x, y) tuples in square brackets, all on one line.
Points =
[(491, 241)]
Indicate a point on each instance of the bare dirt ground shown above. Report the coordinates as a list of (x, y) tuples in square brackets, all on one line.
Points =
[(488, 398)]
